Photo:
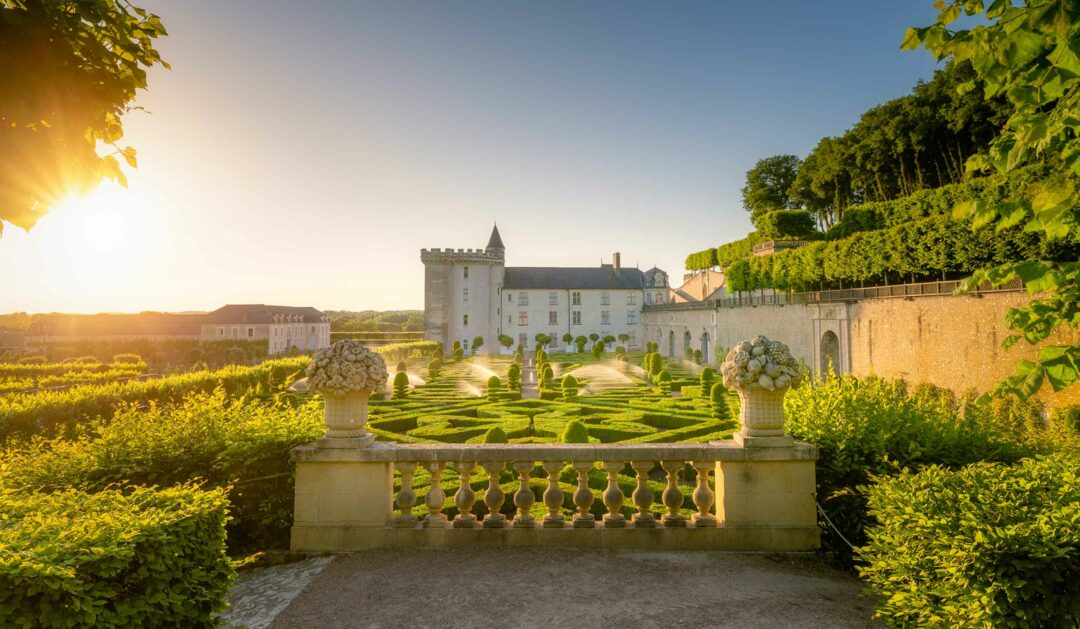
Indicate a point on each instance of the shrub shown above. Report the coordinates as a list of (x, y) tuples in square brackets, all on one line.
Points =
[(608, 339), (513, 377), (434, 368), (542, 340), (871, 426), (494, 387), (457, 345), (580, 342), (477, 343), (519, 357), (567, 338), (664, 381), (701, 260), (495, 435), (575, 432), (594, 337), (597, 350), (401, 367), (623, 337), (719, 402), (459, 353), (541, 356), (141, 557), (547, 377), (688, 353), (127, 358), (620, 351), (32, 360), (697, 356), (569, 387), (506, 341), (989, 545), (656, 363), (706, 377), (401, 385)]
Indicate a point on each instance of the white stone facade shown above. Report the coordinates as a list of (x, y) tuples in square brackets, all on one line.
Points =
[(471, 292)]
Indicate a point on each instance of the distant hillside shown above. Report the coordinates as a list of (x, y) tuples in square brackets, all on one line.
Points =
[(376, 320)]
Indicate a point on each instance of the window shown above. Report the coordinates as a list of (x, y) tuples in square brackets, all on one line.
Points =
[(510, 297), (605, 317), (312, 330), (523, 318), (465, 294), (553, 298), (465, 319), (221, 331), (648, 298), (575, 299), (466, 270), (631, 317), (631, 298), (659, 298), (523, 299), (509, 319), (605, 298), (553, 317), (251, 332), (576, 317)]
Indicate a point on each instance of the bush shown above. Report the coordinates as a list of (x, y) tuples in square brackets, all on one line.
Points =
[(664, 380), (459, 353), (608, 339), (494, 387), (597, 350), (495, 435), (787, 224), (32, 360), (401, 385), (513, 377), (873, 427), (402, 367), (136, 558), (656, 363), (580, 342), (718, 398), (506, 341), (127, 358), (547, 377), (594, 337), (569, 387), (697, 356), (701, 260), (575, 432), (477, 343), (706, 377), (989, 545), (567, 338), (434, 368)]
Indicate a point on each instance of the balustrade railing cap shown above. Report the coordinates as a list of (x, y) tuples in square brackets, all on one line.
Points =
[(713, 451)]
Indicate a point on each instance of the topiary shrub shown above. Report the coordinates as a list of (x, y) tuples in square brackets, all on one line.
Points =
[(459, 353), (579, 343), (706, 377), (688, 354), (506, 341), (597, 350), (656, 364), (569, 387), (133, 558), (663, 379), (513, 377), (718, 397), (620, 351), (32, 360), (988, 545), (434, 368), (494, 387), (519, 357), (401, 385), (541, 356), (567, 338), (495, 435), (401, 367), (547, 378), (697, 356), (608, 339), (477, 343), (575, 432), (127, 358), (594, 337)]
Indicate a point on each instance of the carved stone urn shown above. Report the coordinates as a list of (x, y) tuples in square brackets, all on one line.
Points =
[(346, 373), (761, 372)]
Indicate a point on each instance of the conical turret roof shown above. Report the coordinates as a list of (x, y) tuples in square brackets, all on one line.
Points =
[(495, 242)]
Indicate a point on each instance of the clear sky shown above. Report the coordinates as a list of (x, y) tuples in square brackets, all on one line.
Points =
[(302, 153)]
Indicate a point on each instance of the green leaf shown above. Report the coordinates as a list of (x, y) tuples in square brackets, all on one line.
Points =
[(912, 38)]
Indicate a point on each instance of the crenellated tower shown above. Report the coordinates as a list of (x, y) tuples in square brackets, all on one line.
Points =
[(461, 294)]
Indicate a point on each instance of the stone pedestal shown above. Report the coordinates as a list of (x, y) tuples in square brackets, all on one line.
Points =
[(772, 487), (339, 488)]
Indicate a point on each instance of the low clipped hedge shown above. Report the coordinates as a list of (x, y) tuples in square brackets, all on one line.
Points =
[(137, 558), (989, 545)]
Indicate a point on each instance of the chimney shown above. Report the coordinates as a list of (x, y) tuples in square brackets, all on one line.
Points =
[(616, 262)]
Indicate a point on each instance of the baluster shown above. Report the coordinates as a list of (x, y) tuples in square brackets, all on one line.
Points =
[(553, 496), (465, 497), (672, 497), (494, 496), (436, 497), (583, 497), (406, 497), (613, 496), (523, 497), (643, 496), (703, 495)]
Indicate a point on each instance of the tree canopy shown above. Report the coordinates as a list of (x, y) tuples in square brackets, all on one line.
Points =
[(768, 184), (71, 70)]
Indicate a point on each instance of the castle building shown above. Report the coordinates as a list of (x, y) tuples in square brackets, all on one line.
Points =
[(471, 293)]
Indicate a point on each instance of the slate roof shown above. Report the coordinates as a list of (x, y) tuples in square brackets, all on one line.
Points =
[(650, 275), (260, 313), (540, 277), (495, 241)]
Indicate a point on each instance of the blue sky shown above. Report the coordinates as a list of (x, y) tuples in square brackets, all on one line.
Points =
[(303, 152)]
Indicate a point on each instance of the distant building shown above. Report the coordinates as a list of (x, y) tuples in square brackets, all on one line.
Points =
[(281, 327), (11, 339), (471, 292)]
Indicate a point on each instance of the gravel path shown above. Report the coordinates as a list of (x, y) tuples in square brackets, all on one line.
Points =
[(537, 587)]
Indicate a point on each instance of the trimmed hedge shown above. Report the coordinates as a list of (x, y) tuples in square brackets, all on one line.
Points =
[(791, 224), (989, 545), (137, 558)]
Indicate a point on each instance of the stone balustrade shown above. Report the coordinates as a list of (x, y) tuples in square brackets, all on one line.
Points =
[(763, 499)]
